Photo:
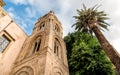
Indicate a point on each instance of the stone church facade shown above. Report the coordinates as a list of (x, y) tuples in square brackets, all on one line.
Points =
[(41, 53)]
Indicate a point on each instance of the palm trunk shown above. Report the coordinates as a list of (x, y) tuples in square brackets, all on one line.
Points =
[(110, 51)]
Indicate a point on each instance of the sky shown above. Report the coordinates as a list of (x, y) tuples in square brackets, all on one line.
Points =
[(27, 12)]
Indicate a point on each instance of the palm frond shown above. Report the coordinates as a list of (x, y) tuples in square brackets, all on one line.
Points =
[(103, 26), (88, 15), (84, 7), (96, 7)]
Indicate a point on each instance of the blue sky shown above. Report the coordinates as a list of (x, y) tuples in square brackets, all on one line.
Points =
[(26, 13), (19, 13)]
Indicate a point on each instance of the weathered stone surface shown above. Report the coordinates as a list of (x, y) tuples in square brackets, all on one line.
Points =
[(44, 50), (17, 37), (41, 53)]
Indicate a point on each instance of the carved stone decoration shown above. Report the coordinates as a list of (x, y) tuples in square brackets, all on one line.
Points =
[(44, 50), (26, 70), (23, 73), (58, 71)]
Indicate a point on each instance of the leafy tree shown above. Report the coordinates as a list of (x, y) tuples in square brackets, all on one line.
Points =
[(85, 55), (91, 20)]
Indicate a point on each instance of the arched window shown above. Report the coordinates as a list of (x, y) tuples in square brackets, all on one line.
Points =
[(42, 25), (37, 45), (57, 47), (57, 28)]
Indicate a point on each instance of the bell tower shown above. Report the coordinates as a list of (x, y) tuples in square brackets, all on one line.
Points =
[(44, 51)]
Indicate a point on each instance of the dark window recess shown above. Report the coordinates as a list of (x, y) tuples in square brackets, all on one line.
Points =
[(42, 26), (56, 28), (37, 46), (56, 48)]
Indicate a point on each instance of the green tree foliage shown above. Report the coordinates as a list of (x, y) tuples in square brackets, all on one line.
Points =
[(85, 55), (91, 20)]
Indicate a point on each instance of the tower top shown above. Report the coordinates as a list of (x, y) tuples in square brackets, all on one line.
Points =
[(2, 3), (51, 11), (49, 14)]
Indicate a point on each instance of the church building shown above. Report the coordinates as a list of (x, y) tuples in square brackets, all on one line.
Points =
[(41, 53)]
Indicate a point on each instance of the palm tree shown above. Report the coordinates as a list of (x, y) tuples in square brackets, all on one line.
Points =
[(91, 20)]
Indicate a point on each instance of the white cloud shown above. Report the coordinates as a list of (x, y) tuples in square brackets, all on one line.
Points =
[(10, 12), (66, 9), (30, 12), (111, 7), (19, 20), (19, 1)]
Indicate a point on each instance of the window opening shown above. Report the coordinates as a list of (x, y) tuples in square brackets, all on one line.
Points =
[(56, 28), (4, 42), (35, 47), (38, 47), (56, 48), (42, 25)]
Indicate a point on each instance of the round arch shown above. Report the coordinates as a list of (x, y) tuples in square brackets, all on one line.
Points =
[(26, 70), (58, 71), (32, 39), (60, 40), (61, 43)]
